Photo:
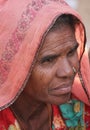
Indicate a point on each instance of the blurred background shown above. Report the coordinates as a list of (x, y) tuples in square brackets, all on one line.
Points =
[(83, 7)]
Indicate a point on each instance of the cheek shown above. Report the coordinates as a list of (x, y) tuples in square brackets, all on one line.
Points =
[(41, 78), (40, 82)]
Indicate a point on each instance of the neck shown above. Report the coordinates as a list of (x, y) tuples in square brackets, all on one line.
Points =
[(28, 113)]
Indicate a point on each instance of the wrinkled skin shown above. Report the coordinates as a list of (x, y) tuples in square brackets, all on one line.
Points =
[(52, 76), (51, 80)]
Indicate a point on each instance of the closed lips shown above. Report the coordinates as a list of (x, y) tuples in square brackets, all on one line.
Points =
[(59, 90)]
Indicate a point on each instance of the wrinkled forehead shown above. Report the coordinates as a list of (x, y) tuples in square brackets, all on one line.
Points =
[(58, 42), (62, 24)]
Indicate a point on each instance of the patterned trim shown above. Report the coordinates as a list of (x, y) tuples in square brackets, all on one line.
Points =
[(58, 122), (13, 45)]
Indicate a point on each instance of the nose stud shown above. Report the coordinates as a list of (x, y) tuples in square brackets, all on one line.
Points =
[(74, 70)]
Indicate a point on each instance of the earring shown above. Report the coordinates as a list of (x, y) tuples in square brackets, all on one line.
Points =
[(74, 70)]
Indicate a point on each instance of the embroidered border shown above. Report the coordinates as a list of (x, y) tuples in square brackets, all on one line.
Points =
[(13, 45)]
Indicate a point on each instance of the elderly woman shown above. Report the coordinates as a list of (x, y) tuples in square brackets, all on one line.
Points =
[(42, 60)]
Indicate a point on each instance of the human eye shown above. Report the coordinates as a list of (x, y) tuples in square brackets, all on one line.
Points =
[(73, 50), (48, 59)]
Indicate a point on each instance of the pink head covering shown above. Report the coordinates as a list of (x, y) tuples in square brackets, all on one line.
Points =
[(22, 25)]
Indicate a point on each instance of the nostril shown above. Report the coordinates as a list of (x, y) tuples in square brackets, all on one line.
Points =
[(65, 68), (65, 73)]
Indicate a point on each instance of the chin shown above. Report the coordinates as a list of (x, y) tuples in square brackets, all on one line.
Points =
[(62, 99)]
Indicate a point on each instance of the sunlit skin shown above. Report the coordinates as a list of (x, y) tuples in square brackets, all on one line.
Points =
[(51, 78)]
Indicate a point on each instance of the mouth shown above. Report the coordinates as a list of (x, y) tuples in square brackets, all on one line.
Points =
[(60, 90)]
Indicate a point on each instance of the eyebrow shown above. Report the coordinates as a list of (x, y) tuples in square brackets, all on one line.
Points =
[(51, 56), (43, 58), (75, 47)]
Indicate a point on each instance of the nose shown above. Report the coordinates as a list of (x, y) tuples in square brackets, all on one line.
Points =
[(64, 68)]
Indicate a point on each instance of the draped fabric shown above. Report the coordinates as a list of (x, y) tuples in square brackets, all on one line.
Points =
[(67, 118), (23, 23), (75, 117)]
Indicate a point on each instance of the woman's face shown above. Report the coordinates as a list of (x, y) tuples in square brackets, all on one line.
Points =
[(52, 76)]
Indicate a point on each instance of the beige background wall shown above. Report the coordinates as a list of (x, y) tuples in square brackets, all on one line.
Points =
[(84, 10)]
